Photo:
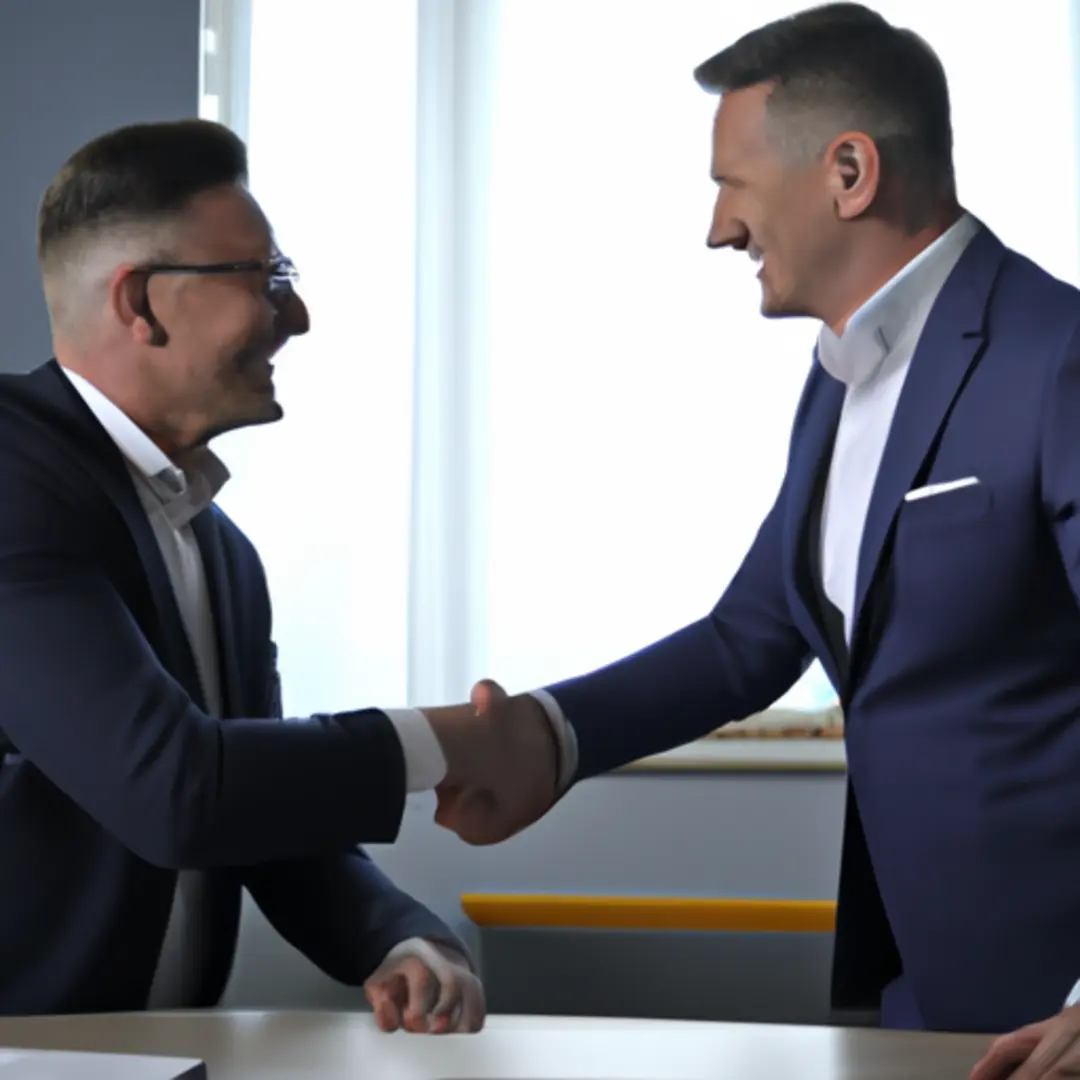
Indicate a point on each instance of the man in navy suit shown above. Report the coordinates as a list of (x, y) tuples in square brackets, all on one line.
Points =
[(146, 775), (924, 543)]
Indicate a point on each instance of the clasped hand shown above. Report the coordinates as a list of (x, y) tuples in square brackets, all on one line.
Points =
[(502, 764)]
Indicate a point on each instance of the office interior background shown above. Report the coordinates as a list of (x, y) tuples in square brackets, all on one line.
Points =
[(535, 424)]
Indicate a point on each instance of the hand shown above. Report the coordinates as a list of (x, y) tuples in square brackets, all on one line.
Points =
[(502, 764), (425, 988), (1043, 1051)]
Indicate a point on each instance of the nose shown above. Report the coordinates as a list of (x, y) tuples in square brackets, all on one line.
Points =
[(293, 316), (726, 230)]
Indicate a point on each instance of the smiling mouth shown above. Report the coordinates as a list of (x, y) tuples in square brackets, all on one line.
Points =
[(261, 378)]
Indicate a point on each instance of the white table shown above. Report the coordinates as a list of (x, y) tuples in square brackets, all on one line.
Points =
[(343, 1046)]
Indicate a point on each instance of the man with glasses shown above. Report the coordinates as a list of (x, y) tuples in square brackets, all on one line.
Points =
[(146, 775)]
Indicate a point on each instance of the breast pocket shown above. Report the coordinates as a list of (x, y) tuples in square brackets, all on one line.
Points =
[(947, 553), (949, 506)]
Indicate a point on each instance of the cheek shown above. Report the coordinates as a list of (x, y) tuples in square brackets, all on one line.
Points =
[(240, 324), (798, 238), (768, 218)]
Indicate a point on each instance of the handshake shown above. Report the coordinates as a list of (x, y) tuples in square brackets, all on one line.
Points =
[(502, 764)]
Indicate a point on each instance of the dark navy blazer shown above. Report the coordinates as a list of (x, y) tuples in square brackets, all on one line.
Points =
[(119, 778), (961, 850)]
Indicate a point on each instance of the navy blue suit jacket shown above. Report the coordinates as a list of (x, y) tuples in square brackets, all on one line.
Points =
[(119, 778), (961, 850)]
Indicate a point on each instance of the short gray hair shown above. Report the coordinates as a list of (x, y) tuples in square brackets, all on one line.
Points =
[(843, 67)]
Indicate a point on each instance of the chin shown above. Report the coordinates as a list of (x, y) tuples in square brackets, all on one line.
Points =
[(267, 411), (268, 414), (773, 309), (777, 307)]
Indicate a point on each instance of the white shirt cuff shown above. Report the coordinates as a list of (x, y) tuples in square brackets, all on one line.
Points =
[(1074, 996), (425, 762), (565, 737), (440, 959)]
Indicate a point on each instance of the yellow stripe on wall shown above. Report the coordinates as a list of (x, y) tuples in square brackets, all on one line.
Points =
[(650, 913)]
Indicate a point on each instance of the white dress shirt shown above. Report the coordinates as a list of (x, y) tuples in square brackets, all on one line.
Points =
[(172, 498)]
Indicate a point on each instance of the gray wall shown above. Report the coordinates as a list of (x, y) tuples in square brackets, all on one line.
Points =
[(70, 70)]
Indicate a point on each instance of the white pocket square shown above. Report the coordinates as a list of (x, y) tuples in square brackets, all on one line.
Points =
[(940, 489)]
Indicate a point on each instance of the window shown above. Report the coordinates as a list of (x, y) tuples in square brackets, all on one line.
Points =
[(325, 495), (536, 423)]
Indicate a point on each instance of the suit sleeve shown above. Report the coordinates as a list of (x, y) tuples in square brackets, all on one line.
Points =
[(86, 701), (342, 912), (739, 659)]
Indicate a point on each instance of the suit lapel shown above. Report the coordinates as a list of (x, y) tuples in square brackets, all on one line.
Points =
[(181, 659), (98, 455), (811, 452), (207, 531), (950, 344)]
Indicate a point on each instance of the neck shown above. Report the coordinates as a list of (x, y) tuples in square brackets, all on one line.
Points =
[(882, 253)]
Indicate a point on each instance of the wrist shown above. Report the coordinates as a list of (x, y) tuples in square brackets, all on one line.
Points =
[(453, 738)]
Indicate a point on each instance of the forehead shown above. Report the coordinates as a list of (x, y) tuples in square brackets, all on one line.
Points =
[(228, 223), (739, 126)]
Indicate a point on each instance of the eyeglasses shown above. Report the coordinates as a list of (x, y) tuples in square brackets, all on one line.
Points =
[(281, 274)]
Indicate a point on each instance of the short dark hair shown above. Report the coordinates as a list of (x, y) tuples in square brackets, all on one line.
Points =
[(847, 65), (135, 174)]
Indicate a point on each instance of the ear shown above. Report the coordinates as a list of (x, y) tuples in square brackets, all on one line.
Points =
[(854, 168), (130, 304)]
